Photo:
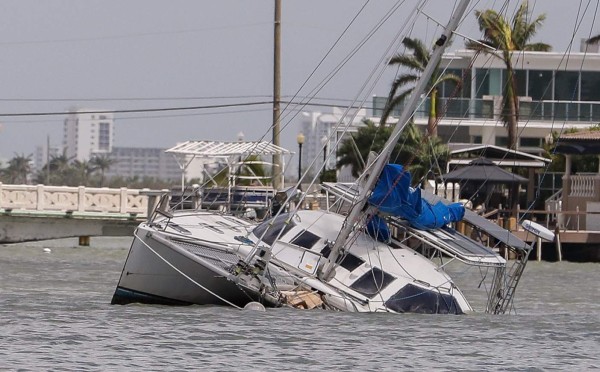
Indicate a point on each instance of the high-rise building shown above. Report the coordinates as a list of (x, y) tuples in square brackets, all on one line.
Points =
[(87, 133), (321, 132), (42, 154)]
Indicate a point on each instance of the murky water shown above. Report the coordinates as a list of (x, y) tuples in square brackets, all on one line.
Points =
[(55, 315)]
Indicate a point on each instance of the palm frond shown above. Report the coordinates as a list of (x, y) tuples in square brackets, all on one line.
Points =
[(409, 62), (419, 50)]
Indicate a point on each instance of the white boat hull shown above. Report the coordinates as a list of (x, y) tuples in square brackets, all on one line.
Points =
[(158, 272)]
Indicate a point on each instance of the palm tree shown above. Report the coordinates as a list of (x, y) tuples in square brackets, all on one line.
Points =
[(83, 170), (19, 168), (502, 39), (418, 153), (416, 62), (593, 39), (103, 163), (57, 171)]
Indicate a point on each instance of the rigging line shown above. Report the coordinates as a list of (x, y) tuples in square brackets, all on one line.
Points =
[(337, 41), (375, 80), (330, 76), (138, 110), (380, 66)]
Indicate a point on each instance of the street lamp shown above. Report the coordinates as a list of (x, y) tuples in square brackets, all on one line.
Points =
[(324, 144), (300, 140)]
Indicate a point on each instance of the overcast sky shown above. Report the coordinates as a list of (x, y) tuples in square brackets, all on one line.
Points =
[(126, 54)]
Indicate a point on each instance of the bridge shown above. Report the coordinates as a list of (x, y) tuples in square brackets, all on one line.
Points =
[(39, 212)]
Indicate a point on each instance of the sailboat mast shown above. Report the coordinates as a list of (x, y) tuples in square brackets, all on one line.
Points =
[(277, 163), (356, 212)]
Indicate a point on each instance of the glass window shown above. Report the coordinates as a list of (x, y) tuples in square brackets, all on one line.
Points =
[(530, 142), (590, 86), (448, 87), (566, 85), (272, 227), (501, 141), (540, 84), (482, 82), (350, 262), (521, 81), (497, 81), (413, 299), (372, 282), (306, 239)]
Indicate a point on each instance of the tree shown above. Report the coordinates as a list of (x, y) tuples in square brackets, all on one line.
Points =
[(18, 169), (593, 39), (83, 170), (102, 163), (416, 62), (249, 171), (59, 169), (418, 153), (501, 40)]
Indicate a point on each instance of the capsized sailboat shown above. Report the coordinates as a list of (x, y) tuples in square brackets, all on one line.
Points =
[(373, 259)]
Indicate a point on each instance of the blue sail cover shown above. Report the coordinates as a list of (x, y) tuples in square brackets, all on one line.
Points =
[(393, 195), (378, 229)]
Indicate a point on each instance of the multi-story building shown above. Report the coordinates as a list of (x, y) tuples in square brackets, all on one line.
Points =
[(143, 162), (321, 131), (87, 133), (557, 91), (42, 154)]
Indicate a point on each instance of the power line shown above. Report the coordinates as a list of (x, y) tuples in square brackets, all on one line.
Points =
[(163, 109), (183, 108)]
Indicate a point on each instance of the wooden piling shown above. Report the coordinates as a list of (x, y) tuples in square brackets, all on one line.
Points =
[(84, 241), (557, 243)]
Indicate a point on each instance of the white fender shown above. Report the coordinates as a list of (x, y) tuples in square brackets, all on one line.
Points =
[(538, 230)]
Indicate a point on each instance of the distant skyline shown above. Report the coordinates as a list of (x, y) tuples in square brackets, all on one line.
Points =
[(143, 54)]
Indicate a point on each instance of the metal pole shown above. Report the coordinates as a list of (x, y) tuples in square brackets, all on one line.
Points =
[(277, 168), (324, 164), (48, 160), (299, 165)]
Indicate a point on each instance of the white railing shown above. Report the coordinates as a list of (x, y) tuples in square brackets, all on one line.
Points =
[(582, 185), (73, 199)]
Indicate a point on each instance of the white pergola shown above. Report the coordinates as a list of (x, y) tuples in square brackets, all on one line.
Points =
[(231, 152)]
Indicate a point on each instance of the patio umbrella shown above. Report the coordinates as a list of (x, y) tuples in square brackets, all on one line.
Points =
[(480, 176), (482, 170)]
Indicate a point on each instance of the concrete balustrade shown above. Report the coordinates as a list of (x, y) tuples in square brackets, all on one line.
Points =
[(74, 199)]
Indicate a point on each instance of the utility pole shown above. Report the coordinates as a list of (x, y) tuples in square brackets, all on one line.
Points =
[(47, 160), (277, 163)]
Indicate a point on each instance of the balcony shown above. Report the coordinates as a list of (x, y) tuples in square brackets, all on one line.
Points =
[(490, 107)]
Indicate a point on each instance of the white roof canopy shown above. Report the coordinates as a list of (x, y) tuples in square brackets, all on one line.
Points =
[(186, 152), (216, 149)]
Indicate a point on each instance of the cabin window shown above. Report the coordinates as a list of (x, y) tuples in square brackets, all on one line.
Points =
[(372, 282), (273, 227), (306, 239), (350, 262), (413, 299)]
